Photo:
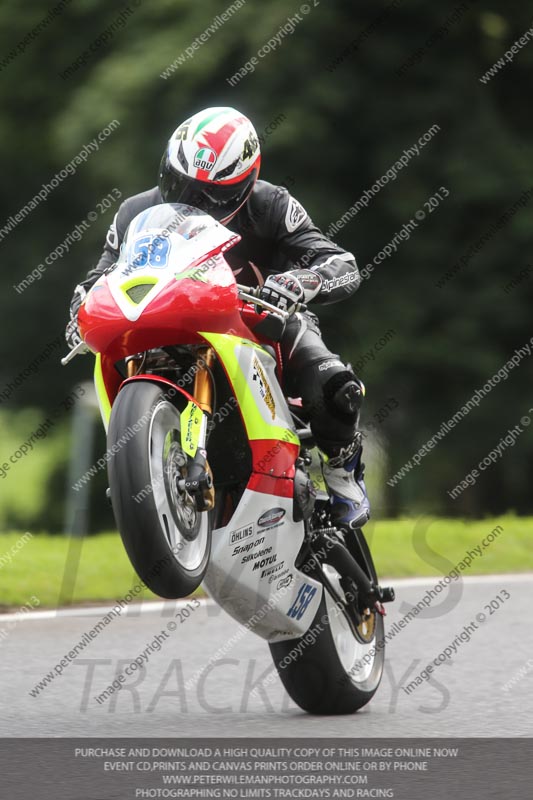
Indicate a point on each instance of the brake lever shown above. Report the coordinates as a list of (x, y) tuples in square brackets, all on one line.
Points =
[(79, 350), (253, 290), (251, 294), (254, 300)]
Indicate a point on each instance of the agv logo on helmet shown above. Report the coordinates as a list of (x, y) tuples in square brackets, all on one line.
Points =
[(205, 158)]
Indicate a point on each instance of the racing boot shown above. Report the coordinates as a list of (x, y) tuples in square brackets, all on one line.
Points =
[(344, 479)]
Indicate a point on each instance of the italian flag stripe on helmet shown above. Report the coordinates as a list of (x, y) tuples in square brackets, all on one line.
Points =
[(208, 118)]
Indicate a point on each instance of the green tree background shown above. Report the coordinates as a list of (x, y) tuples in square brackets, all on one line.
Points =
[(343, 125)]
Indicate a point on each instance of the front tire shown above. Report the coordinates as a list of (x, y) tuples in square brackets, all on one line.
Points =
[(167, 540)]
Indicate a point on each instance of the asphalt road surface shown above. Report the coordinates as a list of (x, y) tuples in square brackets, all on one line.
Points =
[(465, 696)]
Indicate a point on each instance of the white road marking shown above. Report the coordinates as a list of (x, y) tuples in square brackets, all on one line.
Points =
[(156, 606), (149, 607)]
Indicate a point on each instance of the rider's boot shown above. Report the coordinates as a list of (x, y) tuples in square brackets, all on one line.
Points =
[(344, 479)]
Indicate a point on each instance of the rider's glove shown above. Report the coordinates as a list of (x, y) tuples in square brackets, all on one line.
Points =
[(284, 291), (72, 334), (288, 289)]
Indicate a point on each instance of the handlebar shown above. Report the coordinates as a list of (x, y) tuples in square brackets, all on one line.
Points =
[(79, 350), (251, 294)]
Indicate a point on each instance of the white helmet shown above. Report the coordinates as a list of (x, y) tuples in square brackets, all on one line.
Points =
[(211, 162)]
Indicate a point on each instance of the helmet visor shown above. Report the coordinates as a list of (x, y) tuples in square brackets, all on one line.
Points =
[(218, 200)]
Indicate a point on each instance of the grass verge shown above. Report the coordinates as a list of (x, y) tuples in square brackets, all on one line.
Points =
[(62, 571)]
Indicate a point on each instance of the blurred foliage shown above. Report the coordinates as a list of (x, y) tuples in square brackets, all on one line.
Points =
[(34, 487), (27, 495), (343, 128)]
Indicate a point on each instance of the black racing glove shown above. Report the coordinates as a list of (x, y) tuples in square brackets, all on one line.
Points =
[(287, 289), (72, 333)]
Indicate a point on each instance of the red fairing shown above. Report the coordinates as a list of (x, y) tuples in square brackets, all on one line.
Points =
[(174, 316), (280, 487), (273, 467), (274, 458)]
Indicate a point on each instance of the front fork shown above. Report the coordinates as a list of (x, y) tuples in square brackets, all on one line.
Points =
[(198, 482)]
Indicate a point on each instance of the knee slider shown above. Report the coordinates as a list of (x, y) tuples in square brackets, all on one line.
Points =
[(332, 399), (343, 394)]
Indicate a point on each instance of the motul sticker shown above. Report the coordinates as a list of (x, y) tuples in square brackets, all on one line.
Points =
[(264, 562), (295, 215), (271, 517), (205, 158)]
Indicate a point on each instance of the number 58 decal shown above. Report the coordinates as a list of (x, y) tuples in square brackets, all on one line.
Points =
[(303, 598), (150, 250)]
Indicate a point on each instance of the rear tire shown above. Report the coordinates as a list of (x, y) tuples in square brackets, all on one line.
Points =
[(323, 671), (167, 540)]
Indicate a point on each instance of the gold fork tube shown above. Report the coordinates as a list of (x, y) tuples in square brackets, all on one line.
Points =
[(203, 388)]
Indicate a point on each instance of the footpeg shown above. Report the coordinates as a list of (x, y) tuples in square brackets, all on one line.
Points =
[(385, 594)]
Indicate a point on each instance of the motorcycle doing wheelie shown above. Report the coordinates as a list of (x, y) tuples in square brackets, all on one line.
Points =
[(213, 473)]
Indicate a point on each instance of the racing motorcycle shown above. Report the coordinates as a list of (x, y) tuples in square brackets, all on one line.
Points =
[(214, 476)]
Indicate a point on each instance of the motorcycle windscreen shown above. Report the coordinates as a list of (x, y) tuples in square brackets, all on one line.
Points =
[(163, 244)]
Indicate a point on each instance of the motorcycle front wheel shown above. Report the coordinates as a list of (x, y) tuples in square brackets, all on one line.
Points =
[(167, 540)]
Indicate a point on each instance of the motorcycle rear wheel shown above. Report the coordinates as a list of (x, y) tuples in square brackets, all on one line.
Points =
[(328, 670), (167, 540)]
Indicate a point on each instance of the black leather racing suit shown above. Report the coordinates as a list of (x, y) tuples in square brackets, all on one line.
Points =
[(278, 235)]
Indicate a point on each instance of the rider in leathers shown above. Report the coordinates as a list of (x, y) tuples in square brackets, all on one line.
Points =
[(212, 162)]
